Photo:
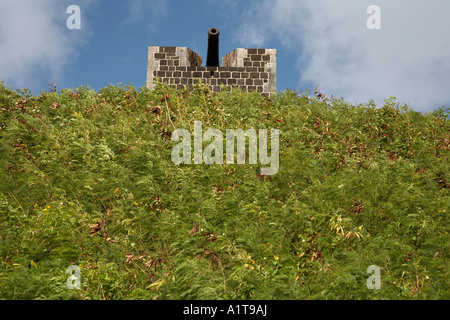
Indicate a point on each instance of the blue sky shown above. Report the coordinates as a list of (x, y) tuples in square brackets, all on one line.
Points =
[(319, 42)]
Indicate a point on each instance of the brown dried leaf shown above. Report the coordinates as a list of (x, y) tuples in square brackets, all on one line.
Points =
[(94, 228), (194, 229), (129, 258)]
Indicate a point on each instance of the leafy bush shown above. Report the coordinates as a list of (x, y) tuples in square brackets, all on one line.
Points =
[(86, 179)]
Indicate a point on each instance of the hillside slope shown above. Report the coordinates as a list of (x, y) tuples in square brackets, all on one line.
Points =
[(86, 179)]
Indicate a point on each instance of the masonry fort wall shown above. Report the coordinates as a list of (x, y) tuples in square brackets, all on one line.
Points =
[(246, 69)]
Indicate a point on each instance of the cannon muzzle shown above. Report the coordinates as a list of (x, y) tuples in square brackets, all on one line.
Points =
[(212, 59)]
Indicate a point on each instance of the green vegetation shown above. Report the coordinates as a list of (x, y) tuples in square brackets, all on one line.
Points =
[(86, 179)]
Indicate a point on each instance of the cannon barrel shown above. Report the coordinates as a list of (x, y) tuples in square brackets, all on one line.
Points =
[(212, 59)]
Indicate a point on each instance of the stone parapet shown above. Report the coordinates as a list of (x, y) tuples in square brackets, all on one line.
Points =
[(246, 69)]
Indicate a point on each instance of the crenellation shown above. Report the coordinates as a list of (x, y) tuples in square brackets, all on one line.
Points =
[(251, 69)]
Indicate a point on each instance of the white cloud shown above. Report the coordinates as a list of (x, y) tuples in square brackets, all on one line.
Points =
[(150, 11), (34, 40), (408, 58)]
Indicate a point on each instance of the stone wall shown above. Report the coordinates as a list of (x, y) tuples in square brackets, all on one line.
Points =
[(246, 69)]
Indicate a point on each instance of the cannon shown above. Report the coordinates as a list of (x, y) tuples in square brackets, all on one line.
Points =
[(212, 59)]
